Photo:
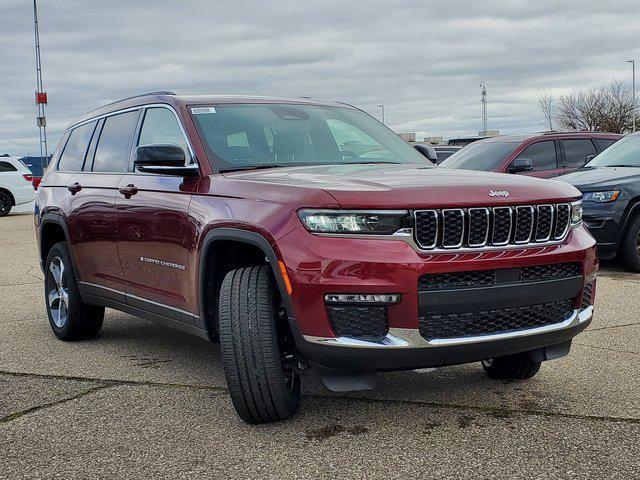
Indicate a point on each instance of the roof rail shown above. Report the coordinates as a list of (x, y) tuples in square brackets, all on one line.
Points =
[(159, 92)]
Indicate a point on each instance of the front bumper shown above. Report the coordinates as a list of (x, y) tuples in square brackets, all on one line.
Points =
[(317, 266), (605, 222), (407, 349)]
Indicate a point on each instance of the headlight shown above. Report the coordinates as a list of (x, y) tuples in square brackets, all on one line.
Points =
[(576, 212), (602, 197), (383, 222)]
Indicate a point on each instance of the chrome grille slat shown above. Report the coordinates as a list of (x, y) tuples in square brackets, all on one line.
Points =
[(524, 224), (484, 227), (453, 227)]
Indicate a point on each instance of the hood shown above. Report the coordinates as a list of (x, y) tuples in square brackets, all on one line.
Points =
[(597, 178), (411, 186)]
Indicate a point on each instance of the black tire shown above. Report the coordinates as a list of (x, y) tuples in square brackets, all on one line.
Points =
[(81, 321), (630, 247), (6, 202), (254, 339), (512, 367)]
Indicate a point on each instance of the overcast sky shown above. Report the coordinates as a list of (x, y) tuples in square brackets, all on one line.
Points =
[(423, 60)]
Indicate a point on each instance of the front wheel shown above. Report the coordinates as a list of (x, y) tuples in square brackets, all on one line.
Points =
[(512, 367), (257, 347), (630, 247)]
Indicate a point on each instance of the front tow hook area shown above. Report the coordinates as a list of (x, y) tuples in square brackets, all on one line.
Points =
[(340, 381)]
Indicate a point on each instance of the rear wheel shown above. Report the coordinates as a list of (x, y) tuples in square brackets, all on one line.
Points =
[(512, 367), (70, 318), (5, 204), (630, 247), (257, 347)]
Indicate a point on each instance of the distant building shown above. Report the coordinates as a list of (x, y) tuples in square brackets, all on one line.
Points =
[(433, 140), (489, 133), (408, 136)]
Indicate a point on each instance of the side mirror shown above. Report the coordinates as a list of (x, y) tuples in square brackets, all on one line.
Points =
[(588, 159), (521, 165), (163, 158), (427, 151)]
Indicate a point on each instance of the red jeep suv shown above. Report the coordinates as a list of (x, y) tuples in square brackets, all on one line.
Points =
[(306, 237)]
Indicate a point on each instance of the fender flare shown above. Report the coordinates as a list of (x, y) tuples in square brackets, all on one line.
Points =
[(60, 221), (251, 238)]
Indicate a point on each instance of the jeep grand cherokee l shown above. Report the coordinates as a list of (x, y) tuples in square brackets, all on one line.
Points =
[(306, 236)]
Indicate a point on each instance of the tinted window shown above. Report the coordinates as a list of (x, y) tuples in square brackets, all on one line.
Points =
[(481, 155), (161, 126), (577, 151), (605, 142), (542, 154), (7, 167), (76, 148), (114, 144)]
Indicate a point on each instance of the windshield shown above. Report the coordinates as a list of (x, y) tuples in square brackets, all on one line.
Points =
[(623, 153), (486, 156), (273, 135)]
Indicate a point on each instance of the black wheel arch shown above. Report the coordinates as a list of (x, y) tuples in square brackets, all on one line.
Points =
[(8, 192), (53, 229), (239, 236)]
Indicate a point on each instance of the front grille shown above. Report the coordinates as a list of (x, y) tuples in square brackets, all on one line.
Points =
[(483, 226), (361, 322), (550, 272), (488, 278), (587, 295), (492, 322)]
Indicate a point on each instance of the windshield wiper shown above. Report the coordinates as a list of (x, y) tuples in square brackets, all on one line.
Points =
[(619, 165), (264, 165)]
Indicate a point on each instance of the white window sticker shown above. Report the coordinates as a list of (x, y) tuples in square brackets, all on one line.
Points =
[(202, 110)]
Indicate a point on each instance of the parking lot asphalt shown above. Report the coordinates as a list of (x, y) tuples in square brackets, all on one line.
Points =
[(142, 401)]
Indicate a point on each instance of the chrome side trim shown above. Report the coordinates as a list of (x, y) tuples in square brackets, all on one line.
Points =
[(399, 338)]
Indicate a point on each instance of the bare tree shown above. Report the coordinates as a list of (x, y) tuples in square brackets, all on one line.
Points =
[(608, 109), (547, 107)]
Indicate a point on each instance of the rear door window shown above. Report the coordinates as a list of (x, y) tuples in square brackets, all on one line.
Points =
[(576, 151), (161, 126), (76, 148), (114, 145), (7, 167), (542, 154)]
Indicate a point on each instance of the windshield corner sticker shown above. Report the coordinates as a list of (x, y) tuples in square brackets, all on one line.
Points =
[(202, 110)]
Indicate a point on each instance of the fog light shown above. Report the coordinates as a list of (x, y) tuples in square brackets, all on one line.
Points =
[(368, 298)]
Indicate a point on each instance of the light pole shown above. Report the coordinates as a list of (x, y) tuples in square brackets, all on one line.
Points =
[(381, 107), (633, 88)]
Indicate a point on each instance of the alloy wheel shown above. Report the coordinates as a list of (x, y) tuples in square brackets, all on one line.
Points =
[(58, 293)]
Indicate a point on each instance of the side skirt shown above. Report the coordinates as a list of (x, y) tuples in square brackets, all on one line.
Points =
[(167, 316)]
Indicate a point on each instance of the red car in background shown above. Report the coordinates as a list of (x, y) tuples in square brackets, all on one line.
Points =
[(541, 155)]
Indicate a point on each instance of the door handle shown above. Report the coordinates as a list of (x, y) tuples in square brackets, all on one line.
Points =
[(129, 190), (74, 188)]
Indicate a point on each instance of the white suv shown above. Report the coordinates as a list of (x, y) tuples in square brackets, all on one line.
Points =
[(16, 185)]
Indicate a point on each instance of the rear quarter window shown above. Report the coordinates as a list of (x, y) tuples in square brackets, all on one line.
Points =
[(75, 150), (7, 167), (604, 143)]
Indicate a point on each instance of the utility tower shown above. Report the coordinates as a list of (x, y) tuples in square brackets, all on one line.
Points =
[(41, 95), (483, 101)]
